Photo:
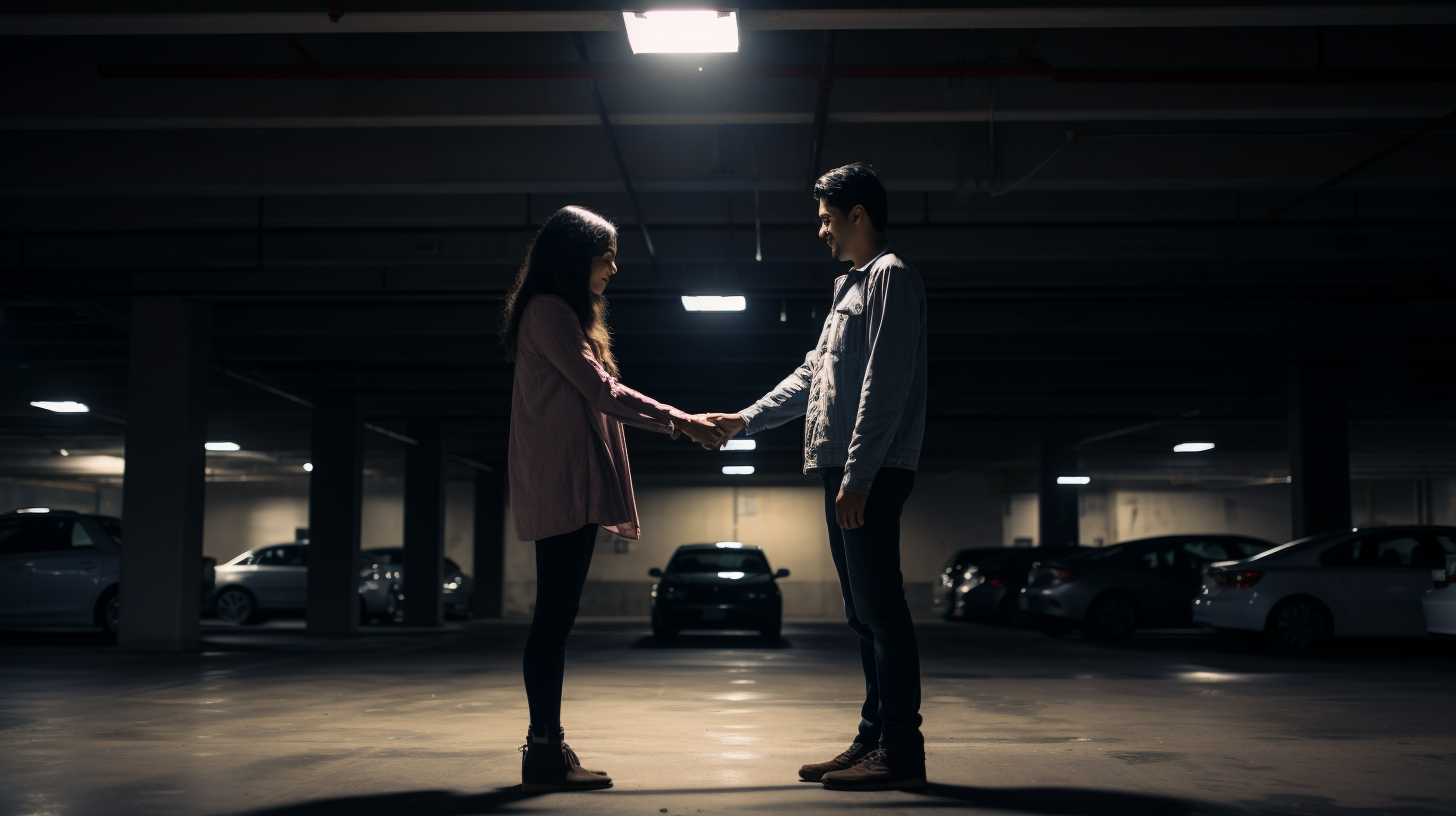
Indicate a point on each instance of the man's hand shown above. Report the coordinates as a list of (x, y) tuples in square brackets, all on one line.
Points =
[(849, 509), (727, 427), (700, 429)]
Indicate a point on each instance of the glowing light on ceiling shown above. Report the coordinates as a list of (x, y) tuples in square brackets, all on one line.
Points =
[(682, 31), (1074, 480), (714, 303), (64, 407)]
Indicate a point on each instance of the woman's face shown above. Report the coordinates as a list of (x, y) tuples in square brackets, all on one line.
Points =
[(603, 267)]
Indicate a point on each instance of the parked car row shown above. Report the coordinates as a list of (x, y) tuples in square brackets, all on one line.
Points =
[(1384, 582)]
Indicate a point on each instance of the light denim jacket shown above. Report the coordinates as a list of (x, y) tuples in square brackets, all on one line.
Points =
[(863, 386)]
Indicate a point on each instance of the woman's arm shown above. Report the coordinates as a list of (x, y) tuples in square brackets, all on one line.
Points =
[(555, 333)]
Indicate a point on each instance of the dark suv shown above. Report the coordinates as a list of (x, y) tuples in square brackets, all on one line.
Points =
[(726, 585)]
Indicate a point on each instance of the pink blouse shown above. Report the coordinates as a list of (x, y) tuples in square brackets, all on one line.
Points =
[(568, 452)]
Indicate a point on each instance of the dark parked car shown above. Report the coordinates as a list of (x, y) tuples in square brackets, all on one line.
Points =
[(727, 585), (456, 587), (1110, 592), (943, 593), (989, 589)]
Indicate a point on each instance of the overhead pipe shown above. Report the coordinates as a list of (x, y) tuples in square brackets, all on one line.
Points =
[(1022, 68), (821, 106)]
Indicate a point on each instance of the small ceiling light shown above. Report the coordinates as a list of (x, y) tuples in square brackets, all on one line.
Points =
[(1193, 447), (740, 444), (1074, 480), (682, 31), (733, 575), (63, 407), (222, 446), (64, 452), (308, 466), (714, 303), (729, 545), (738, 470), (34, 510)]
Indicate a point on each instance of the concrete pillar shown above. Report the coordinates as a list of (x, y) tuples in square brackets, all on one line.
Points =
[(166, 424), (335, 499), (490, 544), (1057, 503), (424, 524), (1319, 449)]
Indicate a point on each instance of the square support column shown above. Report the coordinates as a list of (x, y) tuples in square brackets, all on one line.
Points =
[(1056, 503), (424, 524), (335, 502), (166, 425), (490, 545), (1319, 449)]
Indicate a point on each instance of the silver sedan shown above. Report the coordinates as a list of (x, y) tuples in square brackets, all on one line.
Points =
[(274, 579)]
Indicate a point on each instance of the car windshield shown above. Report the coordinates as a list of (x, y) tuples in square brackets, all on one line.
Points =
[(718, 561)]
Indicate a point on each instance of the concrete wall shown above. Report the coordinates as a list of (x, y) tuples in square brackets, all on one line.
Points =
[(77, 496), (1112, 515)]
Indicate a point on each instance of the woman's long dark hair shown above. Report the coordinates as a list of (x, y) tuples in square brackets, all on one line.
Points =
[(559, 263)]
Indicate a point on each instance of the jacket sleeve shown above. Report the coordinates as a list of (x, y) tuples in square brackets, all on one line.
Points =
[(790, 399), (555, 333), (894, 310)]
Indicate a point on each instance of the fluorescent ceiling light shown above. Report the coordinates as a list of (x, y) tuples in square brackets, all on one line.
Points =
[(34, 510), (734, 575), (730, 545), (308, 466), (1074, 480), (682, 31), (222, 446), (738, 470), (714, 303), (741, 444), (1192, 447), (63, 407)]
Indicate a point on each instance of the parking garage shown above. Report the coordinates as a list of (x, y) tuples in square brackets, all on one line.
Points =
[(1187, 281)]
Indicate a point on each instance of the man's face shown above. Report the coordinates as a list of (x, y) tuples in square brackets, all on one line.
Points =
[(832, 228)]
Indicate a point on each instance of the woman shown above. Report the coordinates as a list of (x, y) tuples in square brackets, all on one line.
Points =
[(568, 456)]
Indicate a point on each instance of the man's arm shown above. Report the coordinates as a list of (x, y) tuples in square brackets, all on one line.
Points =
[(787, 401), (893, 311)]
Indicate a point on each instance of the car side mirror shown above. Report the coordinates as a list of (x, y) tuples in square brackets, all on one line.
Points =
[(655, 572), (782, 573)]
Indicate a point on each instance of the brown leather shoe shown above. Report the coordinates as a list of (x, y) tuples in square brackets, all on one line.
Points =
[(551, 765), (879, 770), (853, 754)]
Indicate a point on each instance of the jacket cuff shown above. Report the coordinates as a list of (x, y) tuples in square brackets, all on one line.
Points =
[(750, 418), (855, 483)]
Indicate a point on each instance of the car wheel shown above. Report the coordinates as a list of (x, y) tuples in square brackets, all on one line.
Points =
[(1055, 627), (108, 612), (662, 629), (237, 606), (773, 627), (1010, 613), (1111, 617), (1298, 624)]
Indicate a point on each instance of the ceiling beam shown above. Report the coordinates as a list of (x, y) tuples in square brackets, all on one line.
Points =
[(1165, 16)]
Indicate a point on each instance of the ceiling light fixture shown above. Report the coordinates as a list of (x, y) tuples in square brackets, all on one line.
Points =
[(1074, 480), (738, 470), (308, 466), (1193, 447), (62, 407), (222, 446), (714, 303), (740, 445), (729, 545), (682, 31), (34, 510)]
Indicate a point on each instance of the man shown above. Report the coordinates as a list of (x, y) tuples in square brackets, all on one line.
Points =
[(862, 393)]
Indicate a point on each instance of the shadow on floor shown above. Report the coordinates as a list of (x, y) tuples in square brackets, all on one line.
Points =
[(413, 803), (747, 640), (1071, 801)]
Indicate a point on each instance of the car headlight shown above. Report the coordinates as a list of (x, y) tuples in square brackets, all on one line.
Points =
[(452, 584)]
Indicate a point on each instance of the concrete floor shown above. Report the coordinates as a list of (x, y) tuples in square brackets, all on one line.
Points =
[(267, 720)]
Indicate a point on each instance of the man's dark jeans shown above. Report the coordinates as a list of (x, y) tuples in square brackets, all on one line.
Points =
[(868, 562)]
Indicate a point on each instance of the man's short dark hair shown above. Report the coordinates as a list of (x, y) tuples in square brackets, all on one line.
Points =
[(855, 184)]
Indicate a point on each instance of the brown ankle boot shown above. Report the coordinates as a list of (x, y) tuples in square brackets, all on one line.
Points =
[(881, 769), (851, 755), (549, 764)]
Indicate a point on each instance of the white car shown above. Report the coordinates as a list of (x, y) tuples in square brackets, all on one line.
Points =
[(1361, 583), (275, 579), (1440, 603)]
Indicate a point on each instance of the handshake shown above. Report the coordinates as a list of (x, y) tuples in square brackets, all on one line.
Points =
[(712, 431)]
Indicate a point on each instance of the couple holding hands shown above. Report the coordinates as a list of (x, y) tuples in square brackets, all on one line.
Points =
[(862, 392)]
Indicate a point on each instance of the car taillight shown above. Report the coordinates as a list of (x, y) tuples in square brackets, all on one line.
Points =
[(996, 582), (1238, 579), (1066, 576)]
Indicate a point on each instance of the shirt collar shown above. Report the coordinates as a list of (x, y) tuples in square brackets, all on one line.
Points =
[(866, 264)]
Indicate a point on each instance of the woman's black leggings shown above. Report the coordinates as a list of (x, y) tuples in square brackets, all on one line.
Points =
[(562, 562)]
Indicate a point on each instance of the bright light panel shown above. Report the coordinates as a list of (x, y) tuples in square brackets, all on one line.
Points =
[(741, 444), (682, 31), (1193, 447), (738, 470), (1074, 480), (63, 407), (734, 575), (714, 303), (222, 446), (308, 466), (34, 510), (730, 545)]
